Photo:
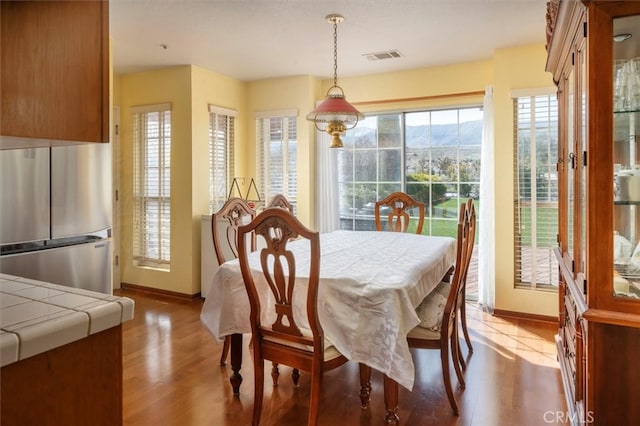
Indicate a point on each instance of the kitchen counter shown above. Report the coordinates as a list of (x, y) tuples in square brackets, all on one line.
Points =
[(36, 316), (61, 353)]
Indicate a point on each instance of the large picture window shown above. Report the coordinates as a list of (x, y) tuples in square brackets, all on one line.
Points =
[(536, 190), (152, 185), (277, 138), (434, 156)]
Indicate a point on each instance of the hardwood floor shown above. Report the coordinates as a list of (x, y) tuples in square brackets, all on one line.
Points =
[(172, 377)]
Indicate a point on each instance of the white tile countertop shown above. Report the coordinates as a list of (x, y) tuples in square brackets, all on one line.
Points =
[(37, 316)]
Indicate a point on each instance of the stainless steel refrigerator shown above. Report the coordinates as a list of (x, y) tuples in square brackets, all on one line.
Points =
[(55, 217)]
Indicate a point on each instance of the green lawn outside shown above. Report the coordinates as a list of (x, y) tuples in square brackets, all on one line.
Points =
[(546, 226), (444, 221)]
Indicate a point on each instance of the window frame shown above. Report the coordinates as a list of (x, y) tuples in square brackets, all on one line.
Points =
[(152, 249), (528, 270), (221, 155), (265, 166), (402, 184)]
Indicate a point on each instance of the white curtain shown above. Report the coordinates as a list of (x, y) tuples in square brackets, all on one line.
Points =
[(327, 208), (486, 237)]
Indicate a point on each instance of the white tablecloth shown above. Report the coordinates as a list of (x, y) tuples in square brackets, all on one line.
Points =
[(370, 284)]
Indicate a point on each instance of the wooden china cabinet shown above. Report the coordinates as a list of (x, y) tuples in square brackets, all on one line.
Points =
[(598, 79)]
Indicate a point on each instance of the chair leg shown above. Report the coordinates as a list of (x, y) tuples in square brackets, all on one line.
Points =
[(463, 363), (463, 316), (455, 353), (225, 350), (444, 357), (365, 385), (258, 368), (295, 377), (275, 374), (314, 402)]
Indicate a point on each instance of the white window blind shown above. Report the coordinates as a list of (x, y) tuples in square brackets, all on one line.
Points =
[(221, 155), (152, 185), (277, 138), (536, 190)]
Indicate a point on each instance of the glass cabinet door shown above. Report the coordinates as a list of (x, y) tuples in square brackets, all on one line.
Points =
[(582, 147), (580, 180), (626, 158), (570, 161)]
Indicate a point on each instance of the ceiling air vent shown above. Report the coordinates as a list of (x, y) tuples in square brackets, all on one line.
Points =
[(389, 54)]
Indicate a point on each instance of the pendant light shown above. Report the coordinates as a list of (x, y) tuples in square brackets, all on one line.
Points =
[(335, 115)]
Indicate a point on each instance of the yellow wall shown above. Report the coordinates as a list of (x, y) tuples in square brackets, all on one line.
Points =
[(209, 88), (168, 85), (515, 68), (283, 94), (191, 88), (425, 82)]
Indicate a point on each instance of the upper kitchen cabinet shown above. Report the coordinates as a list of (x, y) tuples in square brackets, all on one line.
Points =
[(55, 70)]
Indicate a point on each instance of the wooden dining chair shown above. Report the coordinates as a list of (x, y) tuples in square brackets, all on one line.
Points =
[(224, 231), (446, 304), (279, 200), (287, 340), (463, 310), (399, 204)]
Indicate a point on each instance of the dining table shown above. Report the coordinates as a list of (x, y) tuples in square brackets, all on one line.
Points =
[(370, 284)]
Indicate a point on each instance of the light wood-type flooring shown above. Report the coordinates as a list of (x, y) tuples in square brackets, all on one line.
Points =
[(172, 377)]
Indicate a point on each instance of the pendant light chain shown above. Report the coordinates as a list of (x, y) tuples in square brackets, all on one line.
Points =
[(335, 52), (335, 115)]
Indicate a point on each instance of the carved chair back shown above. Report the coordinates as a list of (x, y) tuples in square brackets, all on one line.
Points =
[(397, 220), (464, 251), (279, 200), (278, 228), (224, 228)]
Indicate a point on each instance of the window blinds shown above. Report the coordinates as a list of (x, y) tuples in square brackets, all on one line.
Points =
[(221, 154), (277, 160), (535, 190), (152, 185)]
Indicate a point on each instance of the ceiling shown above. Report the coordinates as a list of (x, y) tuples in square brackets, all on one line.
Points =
[(261, 39)]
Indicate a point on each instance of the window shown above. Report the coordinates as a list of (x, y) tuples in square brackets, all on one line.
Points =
[(434, 156), (221, 149), (536, 190), (152, 185), (277, 139)]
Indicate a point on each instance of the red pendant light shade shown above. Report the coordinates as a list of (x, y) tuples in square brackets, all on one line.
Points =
[(335, 115), (335, 108)]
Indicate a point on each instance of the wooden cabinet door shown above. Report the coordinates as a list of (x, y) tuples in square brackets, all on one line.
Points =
[(55, 70)]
